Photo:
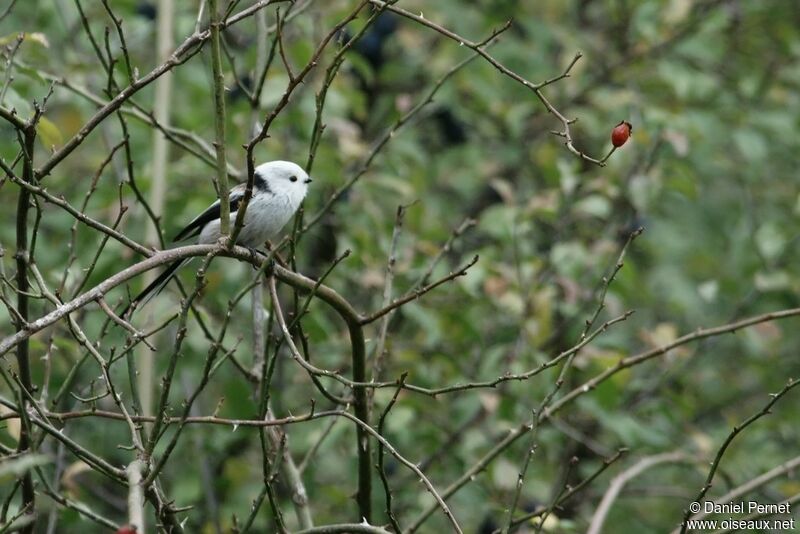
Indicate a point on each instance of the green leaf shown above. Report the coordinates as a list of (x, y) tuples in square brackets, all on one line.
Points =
[(751, 144), (49, 133), (594, 205), (15, 102), (770, 240)]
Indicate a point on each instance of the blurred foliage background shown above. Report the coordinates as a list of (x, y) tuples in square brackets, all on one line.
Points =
[(711, 88)]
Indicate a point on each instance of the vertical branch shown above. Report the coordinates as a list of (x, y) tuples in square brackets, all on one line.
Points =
[(257, 297), (362, 413), (264, 60), (276, 436), (361, 403), (383, 329), (259, 318), (265, 379), (288, 467), (381, 470), (163, 93), (23, 286), (219, 120), (136, 495), (291, 474)]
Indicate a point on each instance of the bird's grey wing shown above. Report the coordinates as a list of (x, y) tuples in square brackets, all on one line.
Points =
[(211, 213)]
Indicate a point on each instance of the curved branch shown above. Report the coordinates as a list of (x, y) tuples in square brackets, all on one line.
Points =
[(298, 281), (359, 351), (107, 285), (738, 492), (623, 478)]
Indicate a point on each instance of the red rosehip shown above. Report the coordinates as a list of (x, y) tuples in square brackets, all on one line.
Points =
[(620, 133), (126, 529)]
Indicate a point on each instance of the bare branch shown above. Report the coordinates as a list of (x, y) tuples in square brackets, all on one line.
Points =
[(697, 335), (136, 494), (608, 462), (186, 50), (417, 293), (775, 397), (218, 77), (623, 478), (535, 87)]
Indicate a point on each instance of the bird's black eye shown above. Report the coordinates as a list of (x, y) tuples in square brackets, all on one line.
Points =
[(293, 178)]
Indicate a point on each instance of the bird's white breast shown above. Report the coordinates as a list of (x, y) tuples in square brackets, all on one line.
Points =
[(266, 215)]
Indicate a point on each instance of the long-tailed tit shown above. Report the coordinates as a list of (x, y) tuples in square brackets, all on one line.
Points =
[(278, 189)]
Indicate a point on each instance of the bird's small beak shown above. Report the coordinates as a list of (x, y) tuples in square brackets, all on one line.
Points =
[(309, 180)]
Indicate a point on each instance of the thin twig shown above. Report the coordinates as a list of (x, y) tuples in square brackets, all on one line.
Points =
[(537, 88), (346, 528), (417, 293), (743, 489), (766, 410), (390, 133), (541, 511), (137, 334), (787, 504), (700, 333), (10, 53), (465, 225), (380, 346)]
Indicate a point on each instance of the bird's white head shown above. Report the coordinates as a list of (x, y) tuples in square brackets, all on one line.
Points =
[(283, 178)]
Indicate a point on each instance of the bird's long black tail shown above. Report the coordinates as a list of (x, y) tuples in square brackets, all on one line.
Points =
[(155, 287)]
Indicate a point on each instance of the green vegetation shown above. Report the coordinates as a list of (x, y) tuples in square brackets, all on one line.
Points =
[(427, 149)]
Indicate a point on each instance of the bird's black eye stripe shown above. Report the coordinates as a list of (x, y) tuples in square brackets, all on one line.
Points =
[(293, 178)]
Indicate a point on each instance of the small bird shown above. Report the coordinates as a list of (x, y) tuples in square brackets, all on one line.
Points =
[(278, 189)]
